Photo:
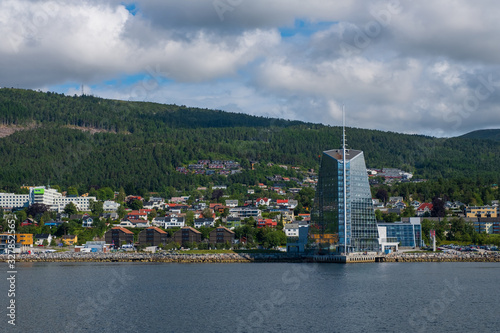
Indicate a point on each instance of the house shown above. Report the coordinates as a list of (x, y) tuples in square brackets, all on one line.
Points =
[(291, 229), (282, 202), (269, 223), (69, 239), (169, 222), (424, 208), (28, 222), (204, 222), (40, 238), (110, 206), (25, 239), (233, 222), (232, 203), (118, 236), (53, 223), (135, 214), (262, 202), (221, 235), (400, 205), (187, 235), (153, 236), (134, 223), (111, 216), (87, 221), (244, 212)]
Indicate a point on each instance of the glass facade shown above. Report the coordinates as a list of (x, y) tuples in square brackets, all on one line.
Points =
[(327, 219), (407, 234)]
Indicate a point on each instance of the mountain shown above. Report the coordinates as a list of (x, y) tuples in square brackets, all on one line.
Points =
[(89, 141), (488, 134)]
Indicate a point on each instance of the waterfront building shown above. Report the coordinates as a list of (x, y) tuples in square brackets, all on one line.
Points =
[(221, 235), (118, 236), (408, 235), (343, 218), (153, 236), (187, 235)]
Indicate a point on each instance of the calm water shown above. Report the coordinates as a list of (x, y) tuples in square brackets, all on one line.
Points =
[(379, 297)]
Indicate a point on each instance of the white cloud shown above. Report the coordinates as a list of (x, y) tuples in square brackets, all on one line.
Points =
[(399, 65)]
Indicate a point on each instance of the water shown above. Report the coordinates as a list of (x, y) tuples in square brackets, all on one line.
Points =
[(263, 297)]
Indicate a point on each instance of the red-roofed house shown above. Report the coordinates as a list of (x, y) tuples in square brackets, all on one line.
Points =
[(262, 201), (269, 223), (135, 214), (424, 208), (281, 202)]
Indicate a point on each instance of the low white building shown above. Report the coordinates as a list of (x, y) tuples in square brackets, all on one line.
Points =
[(110, 206)]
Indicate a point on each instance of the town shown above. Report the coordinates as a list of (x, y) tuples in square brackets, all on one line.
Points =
[(274, 215)]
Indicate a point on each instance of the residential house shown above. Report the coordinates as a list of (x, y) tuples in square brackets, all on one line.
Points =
[(40, 238), (244, 212), (187, 235), (153, 236), (25, 239), (118, 236), (221, 235), (168, 222), (483, 211), (87, 221), (135, 214), (204, 222), (269, 223), (424, 208), (262, 202), (111, 216), (69, 239), (233, 222), (110, 206), (28, 222), (134, 223), (232, 203)]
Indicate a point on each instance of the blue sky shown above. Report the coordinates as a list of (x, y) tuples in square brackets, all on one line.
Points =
[(413, 67)]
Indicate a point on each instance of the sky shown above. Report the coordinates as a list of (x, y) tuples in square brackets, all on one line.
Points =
[(423, 67)]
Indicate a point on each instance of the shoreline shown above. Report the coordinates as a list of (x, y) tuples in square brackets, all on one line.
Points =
[(242, 257)]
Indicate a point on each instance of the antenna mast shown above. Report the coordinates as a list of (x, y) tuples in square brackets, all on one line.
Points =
[(345, 179)]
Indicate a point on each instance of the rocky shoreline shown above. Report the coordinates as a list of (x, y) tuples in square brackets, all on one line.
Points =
[(442, 257), (158, 257), (242, 257)]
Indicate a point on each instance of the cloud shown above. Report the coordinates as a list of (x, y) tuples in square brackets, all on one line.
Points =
[(415, 67)]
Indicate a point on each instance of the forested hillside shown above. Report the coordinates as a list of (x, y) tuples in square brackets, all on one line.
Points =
[(489, 134), (140, 144)]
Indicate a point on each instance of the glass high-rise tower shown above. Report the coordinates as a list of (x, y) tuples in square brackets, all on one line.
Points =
[(331, 229)]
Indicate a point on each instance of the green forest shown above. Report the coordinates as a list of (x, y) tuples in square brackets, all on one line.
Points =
[(138, 145)]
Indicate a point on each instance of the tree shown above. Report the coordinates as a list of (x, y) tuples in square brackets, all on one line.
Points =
[(408, 211), (438, 209), (36, 210), (207, 213), (152, 215), (72, 191), (136, 204), (96, 207), (121, 195), (382, 195), (190, 218), (121, 212), (70, 209)]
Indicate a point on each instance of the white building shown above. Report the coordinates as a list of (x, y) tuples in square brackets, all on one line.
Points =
[(42, 195), (110, 206)]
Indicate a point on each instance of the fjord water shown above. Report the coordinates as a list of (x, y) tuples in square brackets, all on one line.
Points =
[(260, 297)]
